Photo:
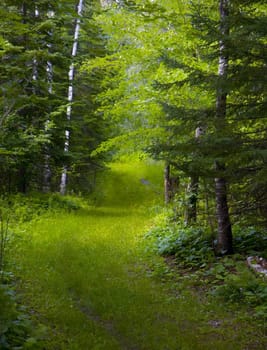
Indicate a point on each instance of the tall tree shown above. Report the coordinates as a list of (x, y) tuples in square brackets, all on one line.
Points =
[(38, 44), (224, 244), (181, 88), (63, 182)]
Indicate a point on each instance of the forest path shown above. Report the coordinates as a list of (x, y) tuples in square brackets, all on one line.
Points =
[(87, 277)]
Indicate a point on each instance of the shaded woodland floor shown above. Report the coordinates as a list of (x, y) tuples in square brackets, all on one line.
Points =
[(90, 284)]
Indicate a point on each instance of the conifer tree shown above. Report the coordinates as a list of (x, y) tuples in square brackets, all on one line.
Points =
[(37, 42), (183, 47)]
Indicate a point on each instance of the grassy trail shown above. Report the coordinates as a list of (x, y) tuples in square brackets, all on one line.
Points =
[(86, 277)]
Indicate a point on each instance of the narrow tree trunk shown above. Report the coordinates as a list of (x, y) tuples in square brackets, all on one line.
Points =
[(171, 184), (192, 189), (63, 183), (224, 241), (23, 181), (47, 174), (191, 208), (167, 183), (34, 61), (46, 167)]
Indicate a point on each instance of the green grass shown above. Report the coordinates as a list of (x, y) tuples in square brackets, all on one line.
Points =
[(86, 277)]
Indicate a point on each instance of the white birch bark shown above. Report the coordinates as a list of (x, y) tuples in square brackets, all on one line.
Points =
[(49, 70), (47, 169), (224, 241), (106, 3), (63, 183), (34, 61)]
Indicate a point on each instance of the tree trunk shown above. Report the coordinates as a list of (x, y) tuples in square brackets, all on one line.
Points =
[(191, 208), (192, 189), (63, 183), (47, 173), (171, 184), (167, 183), (22, 182), (224, 241)]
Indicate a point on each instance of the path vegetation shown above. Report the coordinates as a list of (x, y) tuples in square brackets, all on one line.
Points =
[(89, 281)]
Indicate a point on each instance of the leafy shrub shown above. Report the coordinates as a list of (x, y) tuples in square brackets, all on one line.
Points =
[(17, 331), (192, 246), (243, 288), (68, 203), (250, 240), (26, 208)]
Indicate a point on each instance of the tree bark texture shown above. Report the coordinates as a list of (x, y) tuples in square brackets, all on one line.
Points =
[(191, 207), (171, 184), (167, 184), (224, 241), (192, 189), (63, 183)]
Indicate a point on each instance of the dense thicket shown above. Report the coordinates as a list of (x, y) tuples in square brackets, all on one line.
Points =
[(36, 44)]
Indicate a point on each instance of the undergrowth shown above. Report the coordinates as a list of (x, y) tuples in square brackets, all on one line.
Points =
[(18, 330), (29, 207), (227, 279)]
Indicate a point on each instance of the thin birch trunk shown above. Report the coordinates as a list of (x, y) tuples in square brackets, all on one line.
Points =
[(47, 173), (192, 191), (191, 208), (47, 169), (63, 183), (34, 61), (224, 241), (167, 183)]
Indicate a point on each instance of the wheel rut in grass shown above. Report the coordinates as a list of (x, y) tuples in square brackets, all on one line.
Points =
[(106, 325)]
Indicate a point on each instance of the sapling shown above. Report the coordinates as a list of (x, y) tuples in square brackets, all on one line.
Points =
[(3, 240)]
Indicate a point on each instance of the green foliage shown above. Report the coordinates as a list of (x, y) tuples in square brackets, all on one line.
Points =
[(250, 241), (161, 84), (26, 208), (36, 42), (4, 238), (191, 246), (227, 279), (17, 330), (244, 288)]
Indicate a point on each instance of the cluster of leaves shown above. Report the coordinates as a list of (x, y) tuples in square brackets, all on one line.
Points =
[(17, 330), (191, 246), (228, 279), (26, 208), (250, 241), (243, 287)]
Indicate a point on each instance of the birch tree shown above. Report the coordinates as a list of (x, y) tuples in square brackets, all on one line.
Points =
[(224, 242), (46, 186), (63, 183)]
